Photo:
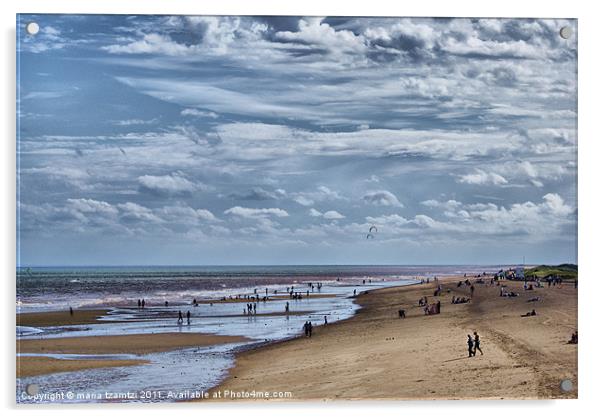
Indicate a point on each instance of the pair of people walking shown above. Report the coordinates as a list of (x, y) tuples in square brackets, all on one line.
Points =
[(308, 328), (181, 318), (474, 344)]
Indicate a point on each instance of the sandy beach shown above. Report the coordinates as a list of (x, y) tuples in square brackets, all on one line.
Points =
[(377, 355), (58, 318), (35, 366), (115, 344)]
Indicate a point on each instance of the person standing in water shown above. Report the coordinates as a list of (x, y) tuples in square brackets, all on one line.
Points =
[(143, 303), (180, 318), (188, 317)]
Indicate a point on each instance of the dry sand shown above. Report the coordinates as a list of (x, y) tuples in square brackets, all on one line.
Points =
[(377, 355), (34, 366), (117, 344), (58, 318)]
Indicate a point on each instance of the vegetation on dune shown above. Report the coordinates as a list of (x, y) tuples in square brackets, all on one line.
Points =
[(563, 271)]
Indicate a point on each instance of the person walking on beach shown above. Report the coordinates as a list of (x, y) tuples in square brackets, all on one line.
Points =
[(188, 317), (325, 320), (139, 303), (306, 328), (143, 303), (180, 318), (470, 343), (402, 313), (477, 344), (286, 307), (310, 328), (471, 290)]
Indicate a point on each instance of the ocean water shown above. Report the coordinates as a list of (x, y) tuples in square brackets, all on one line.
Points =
[(193, 369)]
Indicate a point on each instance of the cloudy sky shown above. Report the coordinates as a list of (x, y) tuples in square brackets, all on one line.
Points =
[(282, 140)]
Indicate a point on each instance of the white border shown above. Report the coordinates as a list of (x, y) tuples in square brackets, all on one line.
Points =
[(589, 195)]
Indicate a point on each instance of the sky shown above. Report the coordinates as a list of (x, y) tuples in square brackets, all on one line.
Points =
[(201, 140)]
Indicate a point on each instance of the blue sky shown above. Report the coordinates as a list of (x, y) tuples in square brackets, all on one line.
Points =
[(282, 140)]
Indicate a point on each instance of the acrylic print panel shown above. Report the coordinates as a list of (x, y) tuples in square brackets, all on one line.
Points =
[(393, 200)]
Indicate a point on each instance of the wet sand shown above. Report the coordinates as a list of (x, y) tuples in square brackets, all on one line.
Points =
[(377, 355), (123, 344), (58, 318), (35, 366)]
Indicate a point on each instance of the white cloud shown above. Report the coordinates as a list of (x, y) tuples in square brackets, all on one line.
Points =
[(186, 214), (133, 212), (315, 32), (303, 200), (315, 213), (480, 177), (168, 184), (151, 43), (199, 113), (381, 198), (255, 213), (330, 215)]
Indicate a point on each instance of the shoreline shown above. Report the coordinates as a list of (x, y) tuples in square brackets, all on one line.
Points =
[(61, 318), (376, 355), (122, 344), (28, 366)]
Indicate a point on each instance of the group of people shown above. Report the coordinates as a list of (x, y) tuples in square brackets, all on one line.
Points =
[(504, 293), (474, 344), (433, 308), (141, 303), (251, 309), (457, 300)]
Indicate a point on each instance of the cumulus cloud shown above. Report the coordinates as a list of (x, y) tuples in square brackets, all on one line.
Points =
[(481, 177), (256, 213), (133, 212), (91, 206), (330, 214), (168, 184), (186, 214), (381, 198)]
